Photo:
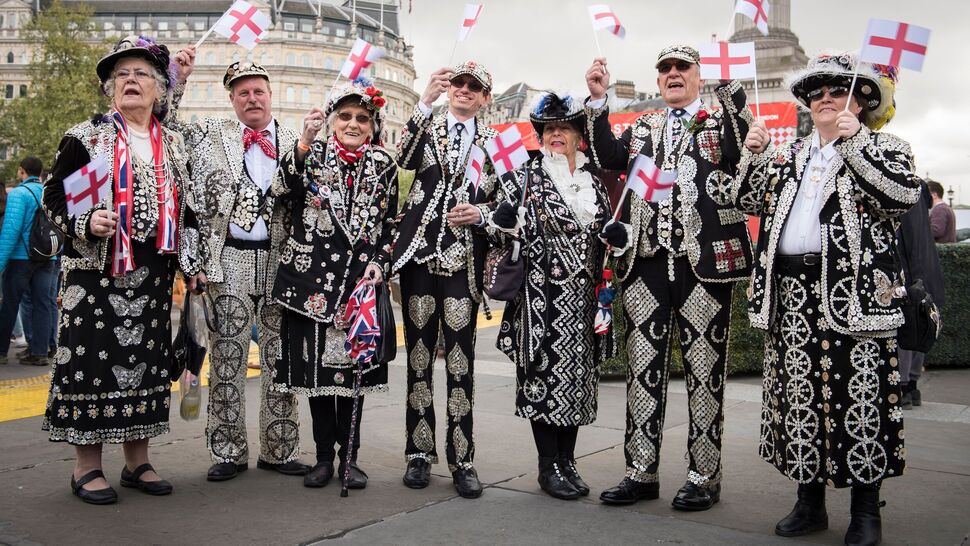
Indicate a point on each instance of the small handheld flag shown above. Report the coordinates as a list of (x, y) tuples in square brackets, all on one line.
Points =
[(895, 44), (243, 24), (757, 11), (507, 151), (361, 56), (87, 186), (476, 165)]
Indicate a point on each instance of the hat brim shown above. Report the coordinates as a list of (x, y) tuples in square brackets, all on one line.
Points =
[(866, 87), (676, 56), (227, 82), (108, 62), (577, 120)]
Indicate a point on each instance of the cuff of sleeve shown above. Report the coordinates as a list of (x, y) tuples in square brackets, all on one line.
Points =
[(82, 224), (424, 109), (725, 91), (855, 143), (596, 104)]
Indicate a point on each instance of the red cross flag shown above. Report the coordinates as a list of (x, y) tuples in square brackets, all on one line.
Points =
[(648, 181), (243, 24), (476, 164), (727, 61), (507, 151), (362, 55), (603, 17), (86, 187), (895, 44), (757, 11), (472, 13)]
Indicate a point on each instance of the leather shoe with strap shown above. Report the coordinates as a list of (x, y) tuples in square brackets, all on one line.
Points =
[(568, 467), (290, 468), (809, 513), (467, 483), (418, 473), (694, 498), (357, 478), (630, 491), (132, 478), (221, 472), (553, 480), (99, 496), (319, 475)]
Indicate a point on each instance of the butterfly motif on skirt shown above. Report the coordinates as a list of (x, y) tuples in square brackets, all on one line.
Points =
[(130, 337), (129, 379), (133, 279), (126, 308)]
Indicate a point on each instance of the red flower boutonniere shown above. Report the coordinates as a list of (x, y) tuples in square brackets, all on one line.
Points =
[(696, 123)]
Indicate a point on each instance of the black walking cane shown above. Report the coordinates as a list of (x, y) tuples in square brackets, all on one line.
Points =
[(358, 373)]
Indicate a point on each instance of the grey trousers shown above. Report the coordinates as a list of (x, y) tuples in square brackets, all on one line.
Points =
[(910, 365)]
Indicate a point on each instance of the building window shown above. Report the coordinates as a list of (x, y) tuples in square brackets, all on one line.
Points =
[(127, 25), (306, 27), (290, 59), (325, 29), (1, 26), (10, 57), (341, 32), (306, 95), (328, 63), (210, 57), (307, 61), (200, 25), (23, 90), (194, 94), (290, 94), (208, 92), (9, 92), (289, 27), (163, 25)]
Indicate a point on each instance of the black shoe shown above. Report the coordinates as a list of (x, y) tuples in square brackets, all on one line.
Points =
[(808, 515), (865, 525), (630, 491), (466, 483), (567, 465), (418, 473), (290, 468), (906, 401), (319, 475), (357, 478), (51, 352), (916, 397), (133, 479), (553, 480), (100, 496), (22, 354), (35, 360), (694, 498), (221, 472)]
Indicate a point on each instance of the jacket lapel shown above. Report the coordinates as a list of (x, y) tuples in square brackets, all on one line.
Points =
[(232, 134)]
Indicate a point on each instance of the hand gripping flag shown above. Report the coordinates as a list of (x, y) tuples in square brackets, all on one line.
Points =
[(362, 55), (507, 151), (472, 13), (727, 61), (603, 17), (87, 186), (895, 44), (243, 24), (604, 301), (757, 11), (363, 331), (648, 181), (475, 168)]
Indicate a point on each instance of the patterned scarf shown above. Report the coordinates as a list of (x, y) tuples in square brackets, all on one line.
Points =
[(123, 260), (350, 157)]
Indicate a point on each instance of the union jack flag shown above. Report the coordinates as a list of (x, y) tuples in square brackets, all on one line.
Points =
[(364, 332), (123, 260)]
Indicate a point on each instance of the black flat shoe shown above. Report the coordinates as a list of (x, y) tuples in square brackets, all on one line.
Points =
[(418, 473), (100, 496), (695, 498), (467, 483), (630, 491), (553, 480), (290, 468), (133, 479), (319, 476), (568, 467), (808, 515), (221, 472), (357, 478)]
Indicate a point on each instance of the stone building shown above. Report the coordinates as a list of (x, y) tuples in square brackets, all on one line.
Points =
[(303, 52)]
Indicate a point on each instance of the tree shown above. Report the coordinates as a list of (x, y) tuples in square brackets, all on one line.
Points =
[(65, 89)]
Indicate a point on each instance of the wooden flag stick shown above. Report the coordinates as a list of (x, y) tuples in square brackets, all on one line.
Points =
[(326, 100), (451, 60), (206, 35), (855, 75), (757, 101), (596, 38)]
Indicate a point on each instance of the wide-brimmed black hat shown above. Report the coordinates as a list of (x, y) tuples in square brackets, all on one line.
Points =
[(138, 46), (550, 108)]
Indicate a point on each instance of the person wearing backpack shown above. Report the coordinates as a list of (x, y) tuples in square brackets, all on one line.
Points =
[(21, 271)]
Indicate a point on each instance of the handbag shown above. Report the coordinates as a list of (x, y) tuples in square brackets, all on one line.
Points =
[(192, 340), (504, 267), (387, 345), (922, 322)]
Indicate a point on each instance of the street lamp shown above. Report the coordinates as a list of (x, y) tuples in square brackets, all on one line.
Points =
[(949, 194)]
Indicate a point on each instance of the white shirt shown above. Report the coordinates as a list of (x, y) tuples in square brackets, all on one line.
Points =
[(260, 168), (467, 136), (142, 145), (576, 188), (802, 233), (691, 109)]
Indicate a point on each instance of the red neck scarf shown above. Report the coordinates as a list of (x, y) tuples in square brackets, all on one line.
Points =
[(251, 137)]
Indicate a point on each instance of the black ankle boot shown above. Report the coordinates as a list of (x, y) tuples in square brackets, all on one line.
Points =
[(567, 465), (865, 526), (552, 480), (808, 515)]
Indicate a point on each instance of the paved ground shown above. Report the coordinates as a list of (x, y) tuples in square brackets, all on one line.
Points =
[(926, 506)]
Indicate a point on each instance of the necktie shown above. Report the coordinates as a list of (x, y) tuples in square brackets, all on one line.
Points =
[(454, 154), (251, 137), (677, 126)]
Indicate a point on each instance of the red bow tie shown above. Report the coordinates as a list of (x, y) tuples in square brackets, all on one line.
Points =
[(251, 137)]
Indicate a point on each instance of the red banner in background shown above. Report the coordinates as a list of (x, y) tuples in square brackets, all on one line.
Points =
[(775, 115)]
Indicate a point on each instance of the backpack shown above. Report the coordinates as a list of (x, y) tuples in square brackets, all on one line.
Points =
[(45, 241)]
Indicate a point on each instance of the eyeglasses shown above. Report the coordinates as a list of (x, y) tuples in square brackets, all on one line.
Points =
[(473, 85), (835, 91), (362, 119), (138, 73), (682, 66)]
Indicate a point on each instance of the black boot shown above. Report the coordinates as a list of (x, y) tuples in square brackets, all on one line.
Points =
[(552, 480), (865, 526), (808, 515), (567, 465)]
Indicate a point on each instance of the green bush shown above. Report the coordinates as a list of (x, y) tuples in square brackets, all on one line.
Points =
[(404, 181), (746, 350)]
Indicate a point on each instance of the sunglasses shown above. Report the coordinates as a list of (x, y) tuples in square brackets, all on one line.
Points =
[(682, 66), (835, 91), (362, 119), (473, 85)]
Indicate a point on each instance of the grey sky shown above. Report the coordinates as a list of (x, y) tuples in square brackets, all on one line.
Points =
[(549, 44)]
